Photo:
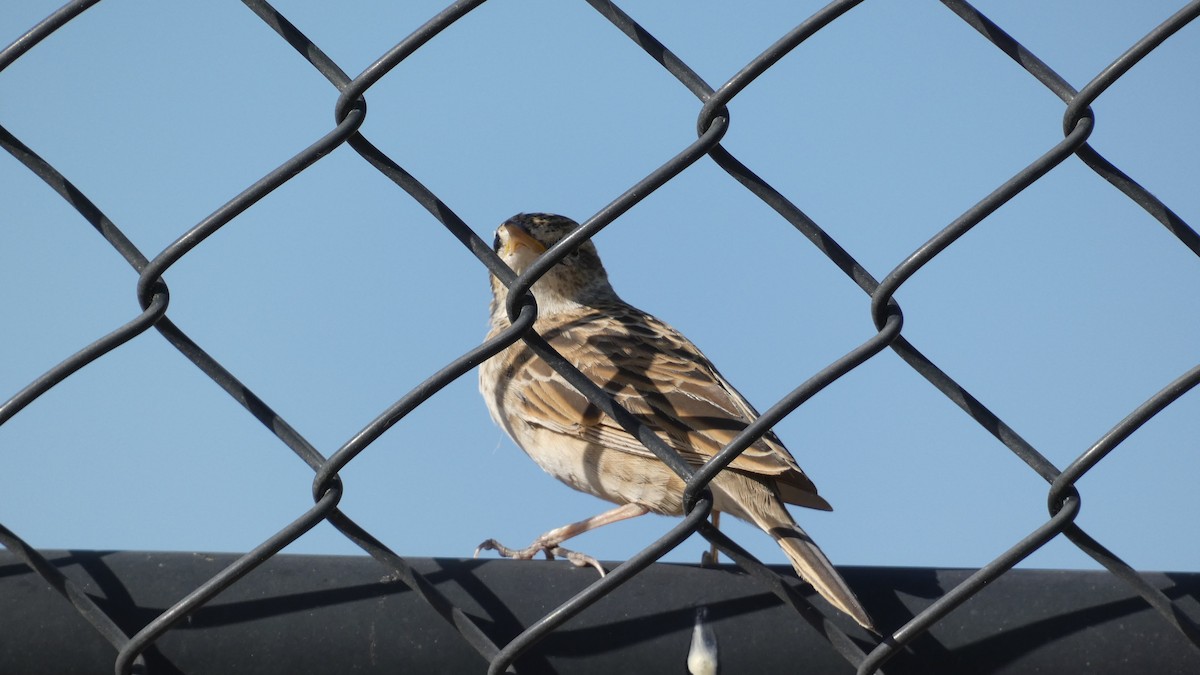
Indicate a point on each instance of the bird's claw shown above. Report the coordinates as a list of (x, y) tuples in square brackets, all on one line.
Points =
[(549, 549), (504, 551), (576, 558)]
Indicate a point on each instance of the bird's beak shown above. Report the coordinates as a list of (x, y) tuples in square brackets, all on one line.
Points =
[(513, 237)]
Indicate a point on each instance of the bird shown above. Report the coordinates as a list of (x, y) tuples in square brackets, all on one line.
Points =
[(663, 380)]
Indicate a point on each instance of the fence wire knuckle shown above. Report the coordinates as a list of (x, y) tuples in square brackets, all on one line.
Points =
[(135, 646)]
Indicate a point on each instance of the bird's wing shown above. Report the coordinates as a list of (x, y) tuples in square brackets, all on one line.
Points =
[(660, 377)]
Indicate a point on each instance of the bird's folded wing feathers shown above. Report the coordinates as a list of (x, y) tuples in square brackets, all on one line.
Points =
[(673, 389)]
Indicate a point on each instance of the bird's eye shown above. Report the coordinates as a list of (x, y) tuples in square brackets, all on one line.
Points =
[(496, 242)]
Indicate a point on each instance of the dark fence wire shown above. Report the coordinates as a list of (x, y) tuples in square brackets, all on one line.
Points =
[(712, 123)]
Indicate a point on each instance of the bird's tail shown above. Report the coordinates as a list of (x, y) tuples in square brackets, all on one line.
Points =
[(812, 565)]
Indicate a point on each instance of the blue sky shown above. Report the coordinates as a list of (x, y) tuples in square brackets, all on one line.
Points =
[(337, 293)]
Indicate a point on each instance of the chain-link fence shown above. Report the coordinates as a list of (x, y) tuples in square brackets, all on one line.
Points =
[(712, 124)]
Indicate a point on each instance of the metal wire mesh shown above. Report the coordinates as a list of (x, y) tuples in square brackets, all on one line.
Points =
[(712, 124)]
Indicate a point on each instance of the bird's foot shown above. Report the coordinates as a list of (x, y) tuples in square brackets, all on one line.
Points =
[(549, 548), (709, 558)]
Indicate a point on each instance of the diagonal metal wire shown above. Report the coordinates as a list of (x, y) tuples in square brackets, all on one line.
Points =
[(713, 121)]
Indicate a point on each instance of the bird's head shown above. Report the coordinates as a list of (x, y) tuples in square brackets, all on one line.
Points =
[(577, 279)]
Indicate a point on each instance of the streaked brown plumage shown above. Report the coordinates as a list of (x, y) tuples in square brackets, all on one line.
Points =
[(656, 374)]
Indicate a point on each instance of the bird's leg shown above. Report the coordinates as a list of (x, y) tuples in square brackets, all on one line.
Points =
[(549, 543), (709, 557)]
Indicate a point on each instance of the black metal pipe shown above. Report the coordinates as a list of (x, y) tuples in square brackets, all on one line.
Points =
[(324, 614)]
